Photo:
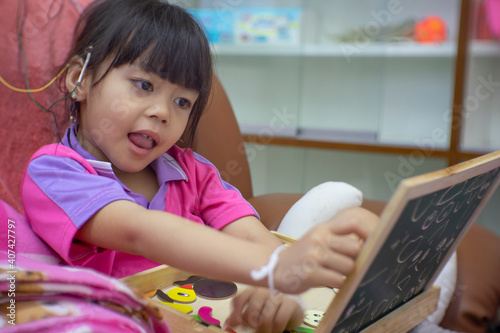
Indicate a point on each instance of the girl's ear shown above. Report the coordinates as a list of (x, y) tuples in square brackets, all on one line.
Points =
[(74, 70)]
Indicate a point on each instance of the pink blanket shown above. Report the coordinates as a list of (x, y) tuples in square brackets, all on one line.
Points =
[(38, 297)]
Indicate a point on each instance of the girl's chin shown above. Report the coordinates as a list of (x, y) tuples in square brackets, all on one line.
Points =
[(129, 168)]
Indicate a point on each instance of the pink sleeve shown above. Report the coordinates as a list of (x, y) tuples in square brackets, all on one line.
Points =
[(52, 224), (57, 203), (220, 202)]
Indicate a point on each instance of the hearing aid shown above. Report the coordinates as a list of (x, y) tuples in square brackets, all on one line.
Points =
[(85, 64)]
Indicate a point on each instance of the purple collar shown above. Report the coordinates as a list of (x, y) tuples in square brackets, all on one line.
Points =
[(166, 167)]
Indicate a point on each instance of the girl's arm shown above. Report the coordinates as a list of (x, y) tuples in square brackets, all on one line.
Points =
[(321, 257), (170, 239), (251, 229)]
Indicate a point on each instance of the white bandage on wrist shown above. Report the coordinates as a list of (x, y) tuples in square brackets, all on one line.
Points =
[(268, 269)]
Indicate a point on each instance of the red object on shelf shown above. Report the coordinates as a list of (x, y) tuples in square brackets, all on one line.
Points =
[(482, 29), (431, 29)]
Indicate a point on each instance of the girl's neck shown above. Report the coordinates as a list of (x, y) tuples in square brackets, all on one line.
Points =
[(143, 182)]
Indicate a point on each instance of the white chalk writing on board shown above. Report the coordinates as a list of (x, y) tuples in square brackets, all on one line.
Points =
[(415, 248)]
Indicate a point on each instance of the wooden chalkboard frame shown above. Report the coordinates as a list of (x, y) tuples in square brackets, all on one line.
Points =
[(408, 190)]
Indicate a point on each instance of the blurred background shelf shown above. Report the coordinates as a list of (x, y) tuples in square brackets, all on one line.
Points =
[(400, 49), (342, 90)]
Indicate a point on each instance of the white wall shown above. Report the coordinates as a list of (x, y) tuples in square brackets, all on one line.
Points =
[(293, 169)]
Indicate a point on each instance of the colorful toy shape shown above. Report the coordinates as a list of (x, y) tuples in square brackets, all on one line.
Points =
[(205, 314), (215, 289), (210, 288), (181, 307), (184, 294), (162, 296), (303, 330), (178, 297), (313, 317), (191, 280)]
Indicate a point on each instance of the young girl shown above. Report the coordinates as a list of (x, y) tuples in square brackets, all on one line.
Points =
[(117, 195)]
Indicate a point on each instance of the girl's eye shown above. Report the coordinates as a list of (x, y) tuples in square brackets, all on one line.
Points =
[(143, 85), (183, 103)]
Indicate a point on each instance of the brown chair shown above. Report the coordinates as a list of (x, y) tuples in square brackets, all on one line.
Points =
[(474, 306), (477, 295)]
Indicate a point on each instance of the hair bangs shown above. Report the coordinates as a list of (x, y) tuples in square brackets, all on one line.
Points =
[(168, 46)]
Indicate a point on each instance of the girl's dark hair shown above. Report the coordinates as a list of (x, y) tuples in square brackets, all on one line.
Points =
[(164, 37)]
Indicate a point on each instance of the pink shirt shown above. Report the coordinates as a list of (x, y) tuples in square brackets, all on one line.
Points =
[(62, 188)]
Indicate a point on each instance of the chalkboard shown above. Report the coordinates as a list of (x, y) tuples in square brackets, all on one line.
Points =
[(421, 226)]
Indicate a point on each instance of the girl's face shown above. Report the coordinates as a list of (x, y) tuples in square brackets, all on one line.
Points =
[(132, 117)]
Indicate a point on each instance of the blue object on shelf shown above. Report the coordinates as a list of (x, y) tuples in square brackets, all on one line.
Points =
[(268, 25), (251, 25), (218, 24)]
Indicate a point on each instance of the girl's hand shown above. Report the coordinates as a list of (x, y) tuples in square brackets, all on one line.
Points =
[(259, 309), (326, 254)]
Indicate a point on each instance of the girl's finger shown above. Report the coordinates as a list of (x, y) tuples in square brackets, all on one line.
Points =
[(238, 303), (354, 220), (268, 314), (288, 316), (348, 245), (252, 315)]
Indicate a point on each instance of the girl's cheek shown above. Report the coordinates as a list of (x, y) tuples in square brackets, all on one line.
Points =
[(123, 106)]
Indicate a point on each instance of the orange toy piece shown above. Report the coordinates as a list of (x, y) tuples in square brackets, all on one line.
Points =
[(431, 29)]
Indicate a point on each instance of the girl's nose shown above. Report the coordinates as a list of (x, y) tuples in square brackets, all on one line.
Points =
[(163, 121), (159, 111)]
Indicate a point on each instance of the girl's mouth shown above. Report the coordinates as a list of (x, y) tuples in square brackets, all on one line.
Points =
[(142, 140)]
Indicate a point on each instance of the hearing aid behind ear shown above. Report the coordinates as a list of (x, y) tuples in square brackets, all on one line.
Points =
[(85, 64), (73, 94)]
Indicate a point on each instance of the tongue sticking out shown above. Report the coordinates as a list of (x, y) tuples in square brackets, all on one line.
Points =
[(141, 141)]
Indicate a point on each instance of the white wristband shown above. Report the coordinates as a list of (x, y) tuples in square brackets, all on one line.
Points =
[(268, 270)]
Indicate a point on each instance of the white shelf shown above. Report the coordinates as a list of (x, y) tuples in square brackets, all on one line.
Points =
[(314, 134), (485, 49), (403, 49), (257, 50)]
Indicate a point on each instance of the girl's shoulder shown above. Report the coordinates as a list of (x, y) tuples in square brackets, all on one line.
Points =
[(178, 152), (60, 150), (186, 156), (190, 162), (183, 156), (56, 149)]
